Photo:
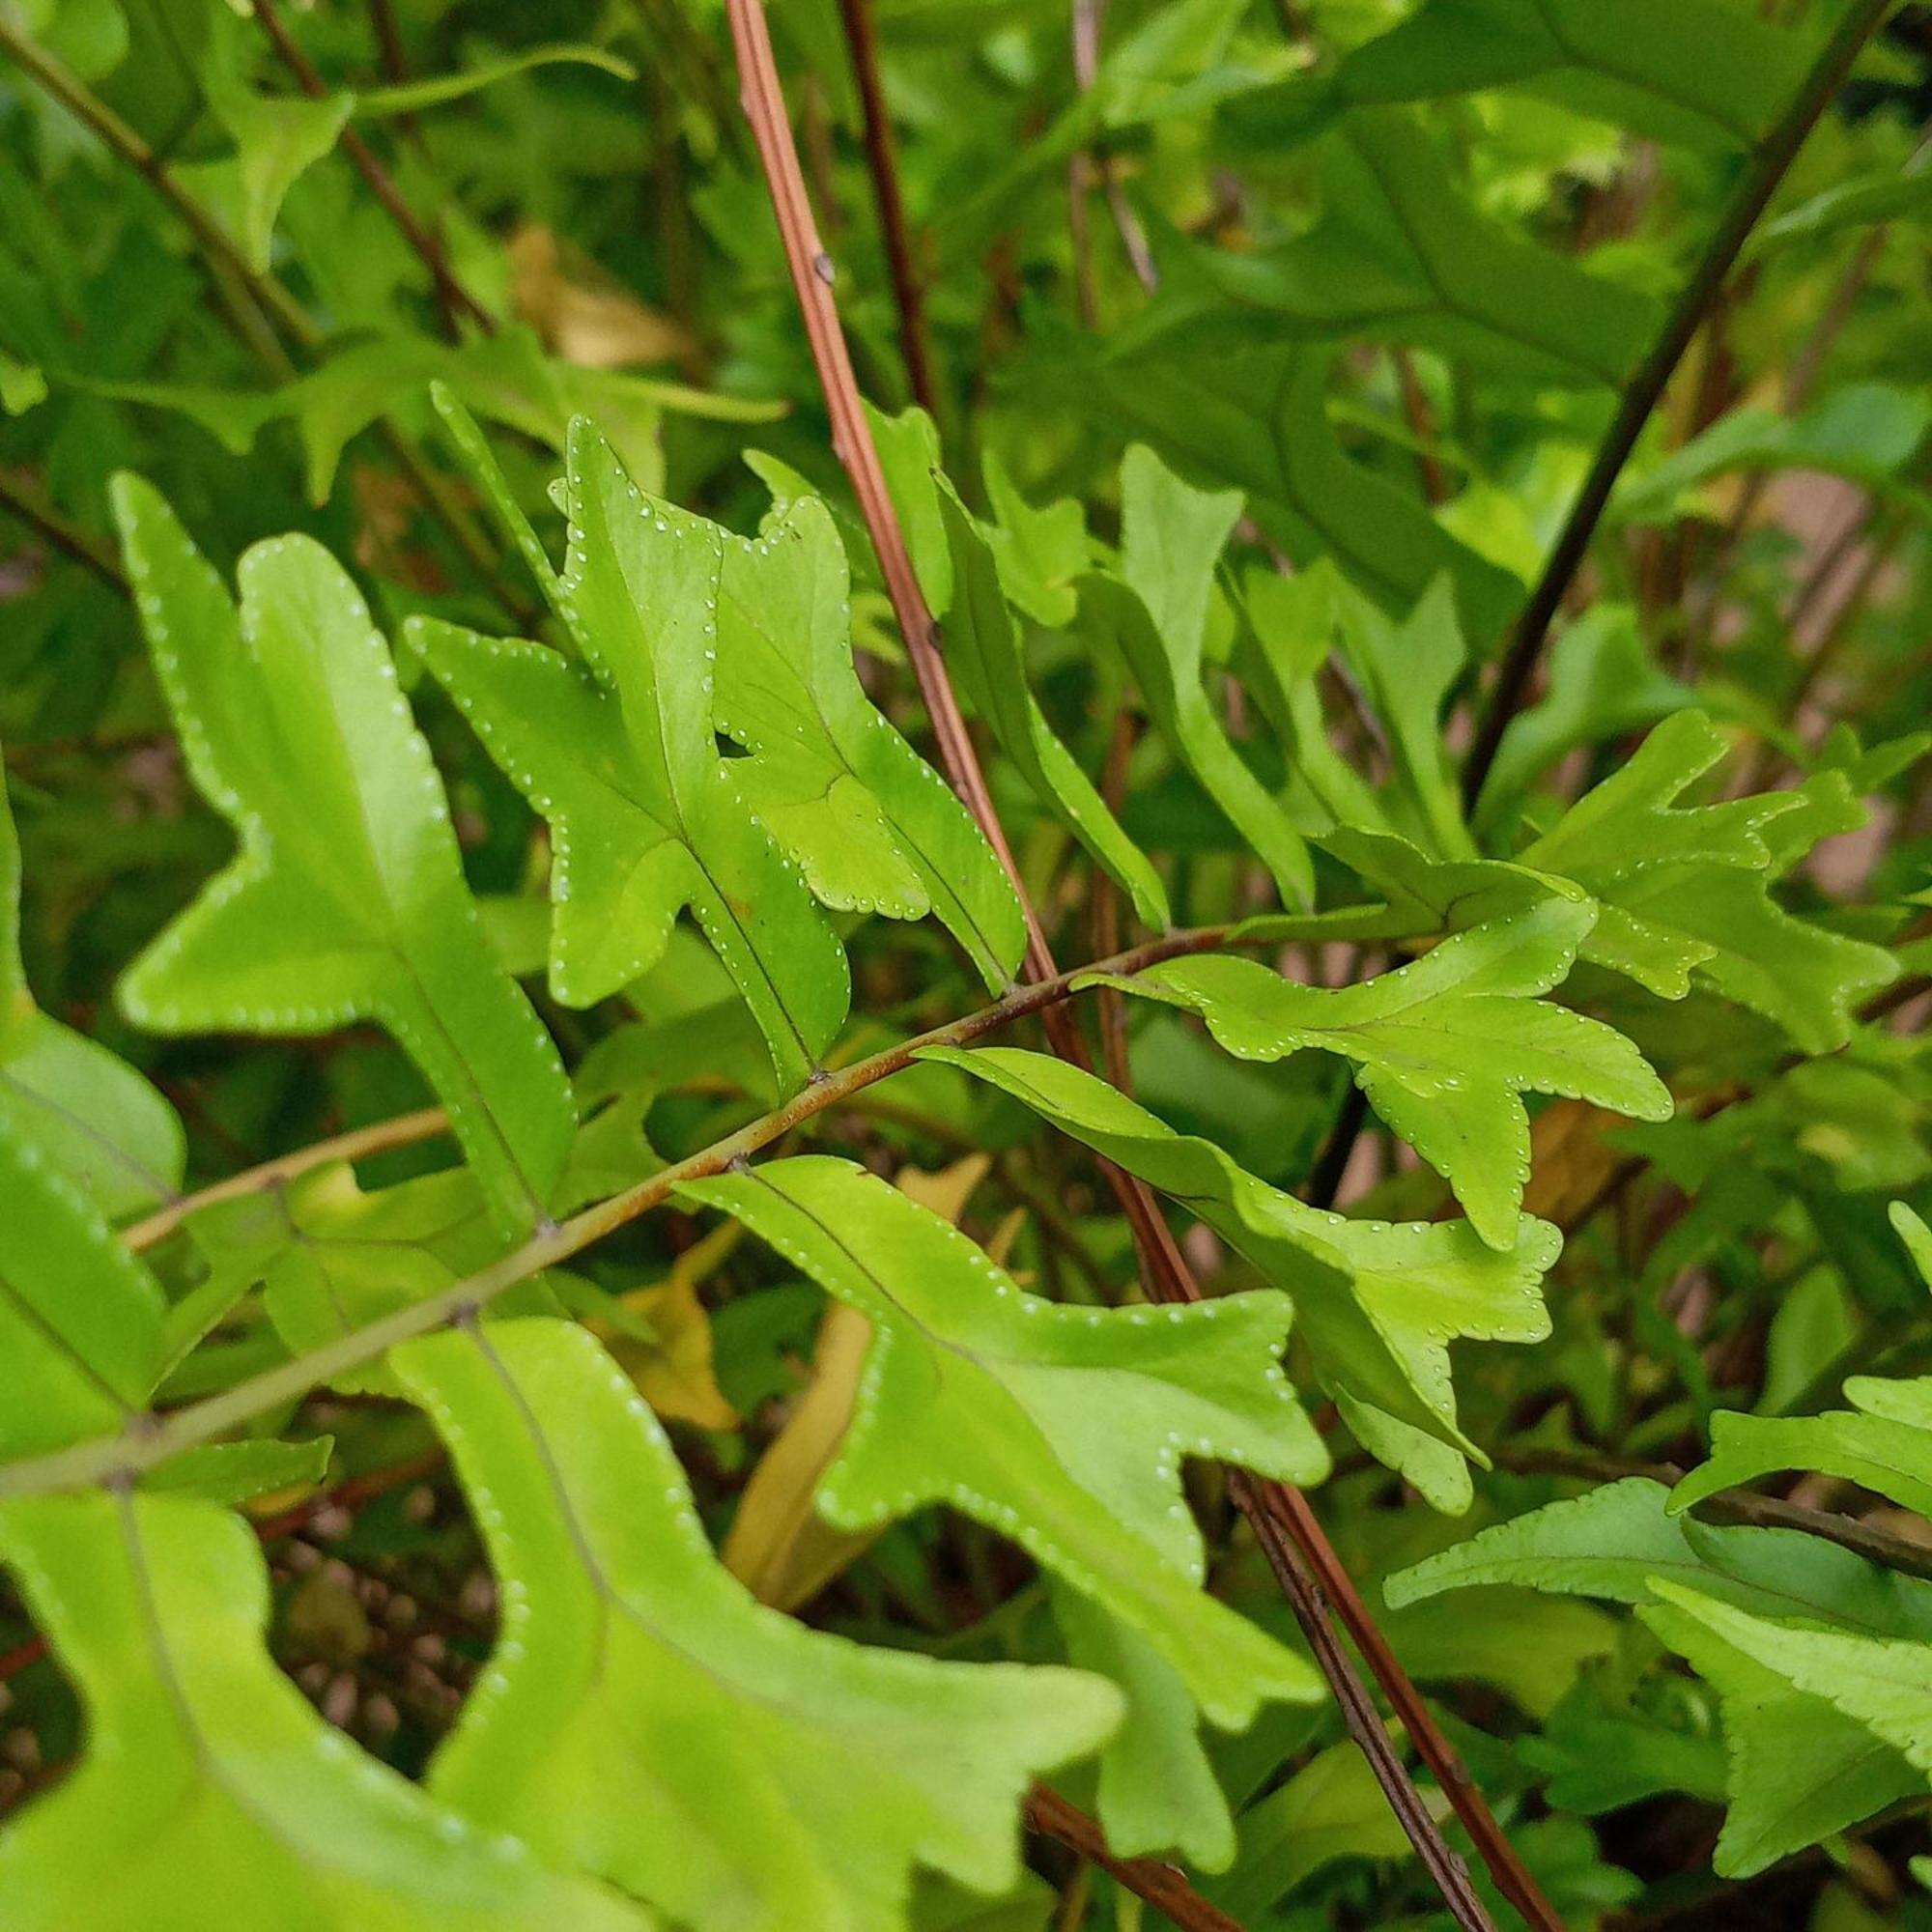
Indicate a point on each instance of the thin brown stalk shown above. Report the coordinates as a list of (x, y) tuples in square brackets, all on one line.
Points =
[(148, 1440), (26, 502), (1168, 1274), (1160, 1885), (452, 297), (357, 1143), (1422, 425), (881, 163), (1767, 169)]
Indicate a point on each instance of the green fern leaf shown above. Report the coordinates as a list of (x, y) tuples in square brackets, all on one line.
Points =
[(983, 654), (211, 1793), (873, 827), (81, 1318), (1884, 1441), (347, 900), (1156, 620), (1377, 1303), (1399, 255), (621, 759), (90, 1112), (1062, 1427), (1684, 889), (644, 1718), (1822, 1728), (1444, 1047)]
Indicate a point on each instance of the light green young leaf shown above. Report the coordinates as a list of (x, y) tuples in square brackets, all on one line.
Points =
[(81, 1318), (230, 1473), (1399, 255), (1040, 551), (1378, 1302), (90, 1114), (871, 824), (1865, 431), (621, 757), (1406, 672), (209, 1785), (1618, 1541), (1444, 1047), (644, 1718), (1063, 1428), (1684, 889), (1822, 1727), (347, 900), (472, 447), (437, 90), (1156, 619), (1423, 897), (1884, 1442), (1603, 684), (1901, 194), (983, 654), (278, 137), (1332, 1808), (1157, 1790)]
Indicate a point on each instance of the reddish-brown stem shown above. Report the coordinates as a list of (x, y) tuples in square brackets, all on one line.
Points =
[(1421, 423), (27, 503), (1168, 1274), (452, 297), (1161, 1885), (882, 161)]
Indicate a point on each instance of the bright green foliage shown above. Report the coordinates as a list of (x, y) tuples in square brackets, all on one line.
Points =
[(81, 1318), (644, 1719), (1685, 888), (646, 819), (1884, 1442), (1805, 1758), (872, 826), (276, 138), (1064, 1427), (1254, 377), (346, 899), (1257, 418), (209, 1778), (1376, 1302), (983, 653), (86, 1110), (1444, 1047), (1171, 541)]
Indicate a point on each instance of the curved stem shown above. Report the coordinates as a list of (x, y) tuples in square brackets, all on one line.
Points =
[(26, 502), (150, 1440), (1766, 169)]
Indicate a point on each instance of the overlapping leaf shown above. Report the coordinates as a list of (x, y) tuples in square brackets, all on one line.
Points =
[(1376, 1302), (346, 899), (210, 1790), (1062, 1427), (1156, 619), (1801, 1766), (644, 1718), (1257, 418), (1399, 255), (1444, 1047), (1684, 889), (983, 654), (1698, 71), (81, 1318), (85, 1109), (873, 827), (620, 757)]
